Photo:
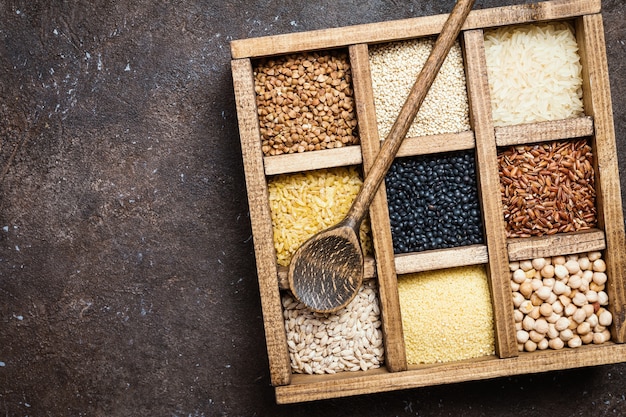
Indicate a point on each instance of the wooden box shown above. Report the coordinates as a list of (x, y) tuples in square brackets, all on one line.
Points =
[(484, 139)]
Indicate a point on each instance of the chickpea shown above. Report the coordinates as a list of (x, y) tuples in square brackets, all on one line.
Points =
[(547, 271), (594, 256), (556, 344), (605, 318), (562, 324), (572, 267), (560, 271), (575, 342), (539, 263)]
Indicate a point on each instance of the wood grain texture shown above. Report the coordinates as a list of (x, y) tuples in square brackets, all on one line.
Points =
[(408, 28), (597, 103), (555, 245), (489, 192), (440, 259), (575, 127), (261, 222), (446, 142), (309, 388), (395, 356), (307, 161)]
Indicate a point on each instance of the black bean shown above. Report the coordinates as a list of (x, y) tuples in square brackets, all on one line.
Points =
[(433, 202)]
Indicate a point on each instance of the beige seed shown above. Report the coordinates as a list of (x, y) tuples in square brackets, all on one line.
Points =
[(603, 298), (553, 318), (548, 271), (562, 324), (599, 338), (579, 299), (566, 335), (583, 328), (592, 320), (584, 263), (592, 296), (594, 256), (559, 288), (570, 309), (575, 282), (556, 344), (605, 318), (522, 336), (546, 309), (572, 267), (530, 346), (534, 313), (541, 326), (518, 299), (579, 315), (528, 323), (526, 265), (519, 276), (526, 289), (560, 271), (587, 338), (557, 307), (552, 331), (599, 278), (574, 342), (526, 306), (539, 263), (535, 336), (544, 292)]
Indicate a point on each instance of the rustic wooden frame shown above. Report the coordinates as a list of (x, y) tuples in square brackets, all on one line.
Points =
[(484, 139)]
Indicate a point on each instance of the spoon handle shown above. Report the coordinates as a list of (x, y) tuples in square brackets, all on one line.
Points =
[(391, 144)]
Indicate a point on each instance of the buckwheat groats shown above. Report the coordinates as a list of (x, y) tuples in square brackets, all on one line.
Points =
[(305, 102)]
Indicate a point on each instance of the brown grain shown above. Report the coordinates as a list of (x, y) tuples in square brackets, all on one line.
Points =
[(305, 103), (547, 188)]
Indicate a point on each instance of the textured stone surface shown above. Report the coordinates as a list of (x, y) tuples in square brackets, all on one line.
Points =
[(127, 276)]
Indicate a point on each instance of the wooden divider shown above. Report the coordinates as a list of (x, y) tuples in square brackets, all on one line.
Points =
[(261, 222), (597, 103), (554, 245), (395, 356), (544, 131), (489, 192)]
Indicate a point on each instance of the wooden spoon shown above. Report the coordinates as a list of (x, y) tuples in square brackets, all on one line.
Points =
[(326, 272)]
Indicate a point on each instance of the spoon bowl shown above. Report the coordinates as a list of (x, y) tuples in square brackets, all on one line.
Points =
[(326, 272)]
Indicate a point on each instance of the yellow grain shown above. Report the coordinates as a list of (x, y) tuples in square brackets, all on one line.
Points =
[(303, 204), (446, 315)]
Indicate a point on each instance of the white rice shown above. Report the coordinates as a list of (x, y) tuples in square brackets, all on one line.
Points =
[(534, 73)]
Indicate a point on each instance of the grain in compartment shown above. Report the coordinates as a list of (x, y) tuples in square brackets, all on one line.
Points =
[(446, 315), (305, 203), (535, 73), (305, 102), (560, 301), (433, 202), (548, 188), (350, 339), (395, 66)]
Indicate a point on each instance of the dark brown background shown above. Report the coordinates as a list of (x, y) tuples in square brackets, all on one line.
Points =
[(127, 276)]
